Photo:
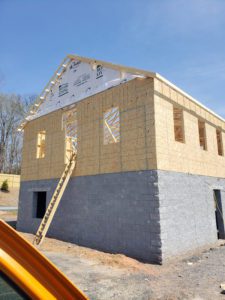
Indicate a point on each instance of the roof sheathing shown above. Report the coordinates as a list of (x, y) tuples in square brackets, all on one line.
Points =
[(39, 100)]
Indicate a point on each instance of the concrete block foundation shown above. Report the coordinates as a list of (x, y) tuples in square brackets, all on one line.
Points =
[(148, 215), (116, 213), (187, 211)]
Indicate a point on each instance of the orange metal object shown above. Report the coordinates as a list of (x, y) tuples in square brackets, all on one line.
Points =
[(32, 271)]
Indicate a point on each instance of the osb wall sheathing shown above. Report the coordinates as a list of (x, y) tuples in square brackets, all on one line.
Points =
[(135, 151), (186, 157)]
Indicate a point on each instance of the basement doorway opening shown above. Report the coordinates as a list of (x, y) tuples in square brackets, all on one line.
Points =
[(219, 214), (39, 204)]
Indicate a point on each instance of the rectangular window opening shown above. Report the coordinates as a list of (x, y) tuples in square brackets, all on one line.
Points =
[(219, 142), (70, 125), (39, 204), (178, 124), (111, 126), (202, 135), (41, 138), (219, 214)]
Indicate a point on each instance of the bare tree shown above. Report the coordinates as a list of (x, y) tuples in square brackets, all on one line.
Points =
[(12, 110)]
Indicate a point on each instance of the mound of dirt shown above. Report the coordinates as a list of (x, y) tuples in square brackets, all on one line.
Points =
[(112, 260)]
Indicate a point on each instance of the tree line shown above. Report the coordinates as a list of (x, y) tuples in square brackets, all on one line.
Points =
[(13, 108)]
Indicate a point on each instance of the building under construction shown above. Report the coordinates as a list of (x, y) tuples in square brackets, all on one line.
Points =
[(125, 161)]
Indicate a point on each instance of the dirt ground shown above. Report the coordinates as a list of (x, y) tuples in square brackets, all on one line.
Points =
[(8, 215), (10, 198), (107, 276)]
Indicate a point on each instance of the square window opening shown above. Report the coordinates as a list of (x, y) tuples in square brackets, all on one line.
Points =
[(178, 124), (41, 138), (111, 126), (39, 204), (202, 135)]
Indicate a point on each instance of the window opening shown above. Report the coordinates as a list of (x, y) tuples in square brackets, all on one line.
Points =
[(41, 141), (219, 142), (202, 135), (178, 124), (70, 125), (111, 126)]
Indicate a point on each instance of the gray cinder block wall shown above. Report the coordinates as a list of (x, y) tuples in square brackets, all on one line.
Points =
[(117, 213), (187, 211), (148, 215)]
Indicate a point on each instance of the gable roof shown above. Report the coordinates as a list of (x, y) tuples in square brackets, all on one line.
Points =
[(138, 72)]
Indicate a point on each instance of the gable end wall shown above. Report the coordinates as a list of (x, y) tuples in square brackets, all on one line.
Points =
[(134, 152)]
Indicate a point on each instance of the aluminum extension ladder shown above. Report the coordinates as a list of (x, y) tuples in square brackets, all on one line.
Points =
[(55, 200)]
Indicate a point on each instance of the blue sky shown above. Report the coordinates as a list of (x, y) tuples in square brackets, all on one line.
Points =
[(182, 40)]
